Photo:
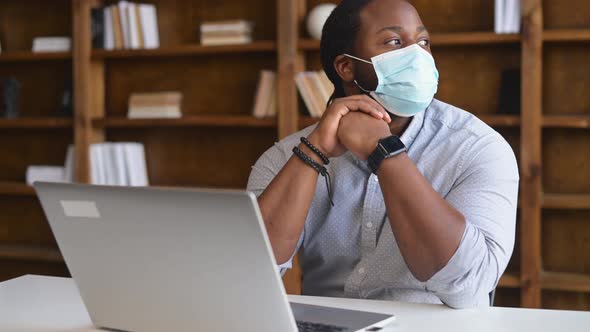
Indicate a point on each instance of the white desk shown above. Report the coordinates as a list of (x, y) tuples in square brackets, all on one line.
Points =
[(46, 304)]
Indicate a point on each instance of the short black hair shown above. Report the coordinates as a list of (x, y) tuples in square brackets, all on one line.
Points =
[(338, 37)]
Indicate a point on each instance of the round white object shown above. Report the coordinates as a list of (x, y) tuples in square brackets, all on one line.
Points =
[(317, 17)]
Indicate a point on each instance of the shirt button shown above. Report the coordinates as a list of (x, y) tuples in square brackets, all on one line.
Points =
[(362, 270), (369, 224), (376, 179)]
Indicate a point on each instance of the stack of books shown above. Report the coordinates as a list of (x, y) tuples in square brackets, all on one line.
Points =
[(114, 164), (315, 89), (155, 105), (265, 102), (226, 32), (125, 25), (507, 16)]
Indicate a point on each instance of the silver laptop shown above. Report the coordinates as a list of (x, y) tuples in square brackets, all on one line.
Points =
[(148, 259)]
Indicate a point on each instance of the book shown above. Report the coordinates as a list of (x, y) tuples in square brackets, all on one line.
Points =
[(133, 27), (97, 27), (317, 100), (507, 16), (117, 27), (327, 85), (149, 25), (236, 26), (499, 16), (155, 105), (52, 44), (125, 26), (136, 168), (305, 94), (45, 173), (109, 33), (140, 36), (227, 40), (264, 94)]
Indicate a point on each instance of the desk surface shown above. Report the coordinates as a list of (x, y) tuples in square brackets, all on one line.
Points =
[(47, 304)]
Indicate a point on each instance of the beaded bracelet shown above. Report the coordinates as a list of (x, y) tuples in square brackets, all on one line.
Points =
[(318, 168), (315, 150)]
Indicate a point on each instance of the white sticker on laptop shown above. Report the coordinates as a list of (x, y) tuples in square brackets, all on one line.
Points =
[(80, 209)]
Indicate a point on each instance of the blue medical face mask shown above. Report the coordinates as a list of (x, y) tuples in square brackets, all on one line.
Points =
[(407, 80)]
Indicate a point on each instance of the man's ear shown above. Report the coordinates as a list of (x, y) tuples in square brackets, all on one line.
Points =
[(344, 66)]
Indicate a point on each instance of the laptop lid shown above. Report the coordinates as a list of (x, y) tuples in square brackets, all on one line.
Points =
[(147, 259)]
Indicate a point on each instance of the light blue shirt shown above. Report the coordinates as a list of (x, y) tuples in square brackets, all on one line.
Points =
[(349, 250)]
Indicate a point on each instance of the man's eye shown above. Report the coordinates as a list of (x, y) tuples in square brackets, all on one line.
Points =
[(424, 42), (394, 42)]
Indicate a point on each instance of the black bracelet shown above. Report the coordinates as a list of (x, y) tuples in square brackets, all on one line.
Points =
[(319, 168), (315, 150)]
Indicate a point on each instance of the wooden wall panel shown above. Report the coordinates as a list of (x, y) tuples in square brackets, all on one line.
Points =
[(566, 78), (566, 241), (23, 20), (21, 148), (566, 300), (42, 85), (470, 76), (23, 223), (566, 14), (209, 157), (566, 161), (442, 16), (221, 84)]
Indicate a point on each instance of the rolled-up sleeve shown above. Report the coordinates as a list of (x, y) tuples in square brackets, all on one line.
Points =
[(263, 172), (486, 193)]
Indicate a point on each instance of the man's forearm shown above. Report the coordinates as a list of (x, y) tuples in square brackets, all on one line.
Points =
[(428, 230), (285, 204)]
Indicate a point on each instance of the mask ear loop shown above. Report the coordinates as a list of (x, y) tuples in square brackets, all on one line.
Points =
[(355, 82)]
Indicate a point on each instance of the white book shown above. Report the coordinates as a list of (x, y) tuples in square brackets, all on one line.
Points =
[(134, 42), (499, 16), (120, 162), (109, 34), (94, 171), (108, 163), (123, 5), (516, 16), (45, 174), (69, 164), (149, 25), (154, 115), (136, 164), (52, 44)]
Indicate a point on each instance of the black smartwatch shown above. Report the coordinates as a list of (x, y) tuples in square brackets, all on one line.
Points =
[(386, 148)]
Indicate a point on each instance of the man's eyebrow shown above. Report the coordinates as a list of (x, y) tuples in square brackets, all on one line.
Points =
[(421, 29), (392, 28)]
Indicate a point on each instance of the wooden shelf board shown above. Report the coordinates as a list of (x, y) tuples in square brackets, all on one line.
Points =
[(509, 280), (186, 50), (438, 39), (566, 201), (18, 56), (189, 121), (306, 121), (16, 188), (25, 123), (566, 35), (29, 253), (572, 282), (500, 120), (566, 121)]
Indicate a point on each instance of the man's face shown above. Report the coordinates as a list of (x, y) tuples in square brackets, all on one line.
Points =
[(386, 25)]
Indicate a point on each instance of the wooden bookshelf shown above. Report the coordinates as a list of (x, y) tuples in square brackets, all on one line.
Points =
[(566, 201), (509, 280), (570, 35), (191, 121), (186, 50), (28, 253), (35, 123), (570, 282), (16, 189), (566, 121), (27, 56)]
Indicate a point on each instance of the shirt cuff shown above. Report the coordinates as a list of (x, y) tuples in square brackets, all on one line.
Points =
[(458, 283)]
